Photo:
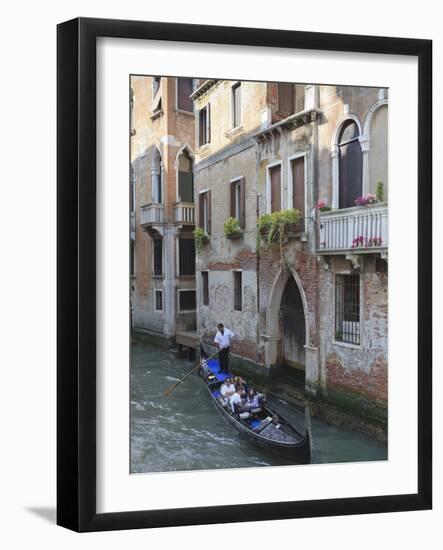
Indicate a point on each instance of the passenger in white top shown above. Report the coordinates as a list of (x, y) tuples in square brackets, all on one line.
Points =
[(227, 389), (236, 401), (223, 341)]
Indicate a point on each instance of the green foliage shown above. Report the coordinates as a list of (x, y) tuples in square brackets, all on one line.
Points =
[(232, 228), (380, 191), (200, 237), (272, 228)]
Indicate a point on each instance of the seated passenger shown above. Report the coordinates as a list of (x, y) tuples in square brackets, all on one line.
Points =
[(238, 381), (227, 390), (236, 401), (253, 400)]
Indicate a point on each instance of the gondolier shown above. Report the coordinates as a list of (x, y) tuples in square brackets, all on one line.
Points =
[(222, 341)]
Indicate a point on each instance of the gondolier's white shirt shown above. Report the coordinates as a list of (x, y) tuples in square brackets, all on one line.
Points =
[(223, 340)]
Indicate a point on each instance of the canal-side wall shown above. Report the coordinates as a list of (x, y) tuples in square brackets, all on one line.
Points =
[(356, 376)]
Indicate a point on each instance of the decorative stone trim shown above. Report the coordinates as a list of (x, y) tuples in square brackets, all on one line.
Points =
[(206, 86)]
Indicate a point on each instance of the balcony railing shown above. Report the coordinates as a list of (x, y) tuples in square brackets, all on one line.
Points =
[(360, 228), (185, 213), (151, 214)]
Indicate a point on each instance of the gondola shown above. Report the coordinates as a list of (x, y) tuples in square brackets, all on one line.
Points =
[(262, 426)]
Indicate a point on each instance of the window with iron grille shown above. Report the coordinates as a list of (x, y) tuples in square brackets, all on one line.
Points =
[(236, 105), (187, 300), (347, 308), (204, 125), (158, 256), (184, 90), (238, 291), (158, 300), (205, 288), (186, 253)]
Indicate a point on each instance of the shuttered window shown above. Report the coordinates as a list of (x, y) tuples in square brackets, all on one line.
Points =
[(238, 291), (204, 211), (187, 300), (275, 187), (298, 184), (205, 287), (236, 105), (237, 200), (347, 308), (204, 125), (184, 90), (186, 253), (158, 256), (285, 99)]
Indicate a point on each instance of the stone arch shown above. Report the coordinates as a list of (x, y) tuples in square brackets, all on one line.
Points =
[(273, 329)]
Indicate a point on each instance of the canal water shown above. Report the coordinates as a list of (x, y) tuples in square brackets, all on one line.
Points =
[(184, 431)]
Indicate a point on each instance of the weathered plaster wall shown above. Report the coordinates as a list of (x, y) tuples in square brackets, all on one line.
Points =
[(360, 370)]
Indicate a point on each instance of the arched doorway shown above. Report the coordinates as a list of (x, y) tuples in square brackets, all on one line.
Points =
[(292, 326)]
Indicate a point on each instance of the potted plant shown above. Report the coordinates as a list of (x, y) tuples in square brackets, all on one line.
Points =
[(380, 191), (364, 201), (275, 227), (232, 228), (201, 238), (323, 207)]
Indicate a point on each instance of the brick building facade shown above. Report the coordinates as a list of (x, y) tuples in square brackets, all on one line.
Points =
[(163, 299), (318, 301)]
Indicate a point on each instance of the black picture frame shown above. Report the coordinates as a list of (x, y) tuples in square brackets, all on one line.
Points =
[(76, 264)]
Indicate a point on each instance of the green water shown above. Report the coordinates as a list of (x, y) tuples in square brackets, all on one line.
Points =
[(184, 431)]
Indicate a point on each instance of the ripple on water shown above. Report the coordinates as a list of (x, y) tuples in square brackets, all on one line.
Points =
[(184, 431)]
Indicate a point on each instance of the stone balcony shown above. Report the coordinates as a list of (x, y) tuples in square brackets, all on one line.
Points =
[(151, 214), (184, 213), (355, 230)]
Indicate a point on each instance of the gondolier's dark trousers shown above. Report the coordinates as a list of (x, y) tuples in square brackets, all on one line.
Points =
[(223, 358)]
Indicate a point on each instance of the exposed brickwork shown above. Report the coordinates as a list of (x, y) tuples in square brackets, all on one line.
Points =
[(369, 384)]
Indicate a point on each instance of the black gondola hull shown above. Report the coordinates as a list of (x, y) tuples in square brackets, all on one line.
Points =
[(298, 452)]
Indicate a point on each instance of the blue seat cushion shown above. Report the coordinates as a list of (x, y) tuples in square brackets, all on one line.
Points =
[(216, 394), (254, 423), (214, 367)]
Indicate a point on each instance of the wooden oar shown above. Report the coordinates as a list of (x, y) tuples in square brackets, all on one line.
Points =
[(166, 392)]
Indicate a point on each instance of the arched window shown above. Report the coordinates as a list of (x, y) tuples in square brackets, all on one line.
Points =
[(156, 177), (378, 153), (350, 164), (185, 178)]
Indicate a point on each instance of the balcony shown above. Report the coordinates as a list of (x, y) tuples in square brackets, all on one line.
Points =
[(185, 213), (151, 214), (357, 230)]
